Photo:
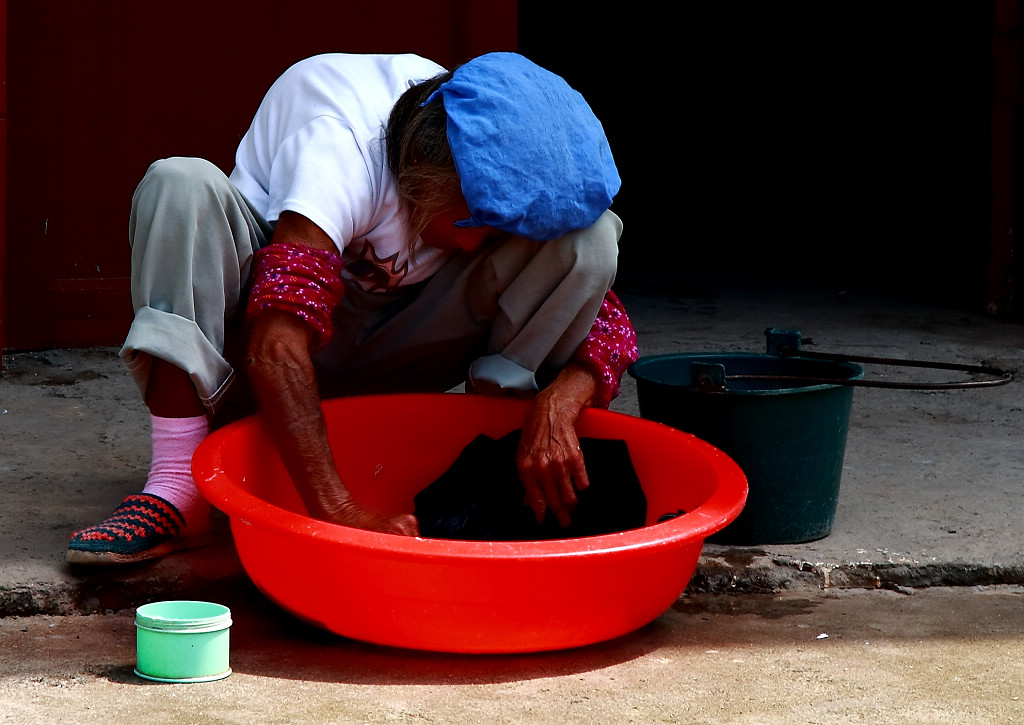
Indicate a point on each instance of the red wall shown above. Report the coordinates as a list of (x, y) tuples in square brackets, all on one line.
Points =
[(3, 166), (98, 89)]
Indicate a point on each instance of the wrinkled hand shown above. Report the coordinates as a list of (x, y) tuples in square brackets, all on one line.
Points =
[(549, 459), (348, 513), (550, 464), (282, 377)]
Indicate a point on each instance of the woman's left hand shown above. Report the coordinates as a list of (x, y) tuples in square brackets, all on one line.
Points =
[(549, 459)]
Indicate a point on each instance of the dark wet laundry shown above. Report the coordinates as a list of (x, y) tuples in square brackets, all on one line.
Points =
[(480, 497)]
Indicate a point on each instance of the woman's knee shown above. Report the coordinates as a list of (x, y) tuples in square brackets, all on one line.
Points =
[(604, 236), (595, 250), (180, 177)]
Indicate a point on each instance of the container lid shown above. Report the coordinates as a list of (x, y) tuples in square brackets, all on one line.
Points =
[(742, 373), (183, 616)]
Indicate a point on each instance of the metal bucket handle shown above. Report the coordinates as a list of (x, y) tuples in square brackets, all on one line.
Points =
[(787, 343)]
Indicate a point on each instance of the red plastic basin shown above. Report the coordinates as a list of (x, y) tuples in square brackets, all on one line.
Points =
[(462, 596)]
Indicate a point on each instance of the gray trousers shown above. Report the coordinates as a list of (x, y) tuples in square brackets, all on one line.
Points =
[(507, 315)]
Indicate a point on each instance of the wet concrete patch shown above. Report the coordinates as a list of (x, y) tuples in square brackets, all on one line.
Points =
[(760, 605)]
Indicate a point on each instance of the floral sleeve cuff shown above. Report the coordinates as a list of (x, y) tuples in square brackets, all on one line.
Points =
[(609, 349), (301, 281)]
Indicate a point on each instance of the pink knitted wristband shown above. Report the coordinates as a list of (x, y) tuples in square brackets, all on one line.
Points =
[(609, 349), (298, 280)]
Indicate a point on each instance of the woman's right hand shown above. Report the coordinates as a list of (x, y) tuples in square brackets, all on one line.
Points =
[(284, 382), (283, 379)]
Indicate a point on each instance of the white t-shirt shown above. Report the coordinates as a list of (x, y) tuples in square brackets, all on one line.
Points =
[(316, 147)]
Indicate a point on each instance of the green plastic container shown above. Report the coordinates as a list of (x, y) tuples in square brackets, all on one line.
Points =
[(788, 435), (182, 641)]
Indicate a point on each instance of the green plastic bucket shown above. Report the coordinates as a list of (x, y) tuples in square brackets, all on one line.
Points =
[(182, 641), (788, 435)]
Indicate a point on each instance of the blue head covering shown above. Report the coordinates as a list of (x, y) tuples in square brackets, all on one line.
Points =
[(531, 156)]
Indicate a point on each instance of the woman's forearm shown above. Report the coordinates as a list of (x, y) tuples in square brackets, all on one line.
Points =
[(284, 382)]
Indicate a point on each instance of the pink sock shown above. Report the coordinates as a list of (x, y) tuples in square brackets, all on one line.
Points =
[(170, 473)]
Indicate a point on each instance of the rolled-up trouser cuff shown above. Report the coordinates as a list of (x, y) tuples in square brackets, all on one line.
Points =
[(496, 371), (180, 342)]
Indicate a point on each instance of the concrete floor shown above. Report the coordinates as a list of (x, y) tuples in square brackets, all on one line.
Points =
[(938, 656), (917, 587)]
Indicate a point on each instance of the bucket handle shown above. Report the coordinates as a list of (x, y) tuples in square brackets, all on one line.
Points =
[(787, 344)]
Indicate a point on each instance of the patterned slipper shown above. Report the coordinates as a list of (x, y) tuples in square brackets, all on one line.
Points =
[(143, 527)]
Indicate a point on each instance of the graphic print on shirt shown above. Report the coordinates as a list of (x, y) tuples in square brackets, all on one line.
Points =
[(375, 273)]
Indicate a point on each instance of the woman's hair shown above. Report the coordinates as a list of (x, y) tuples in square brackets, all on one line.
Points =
[(416, 139)]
